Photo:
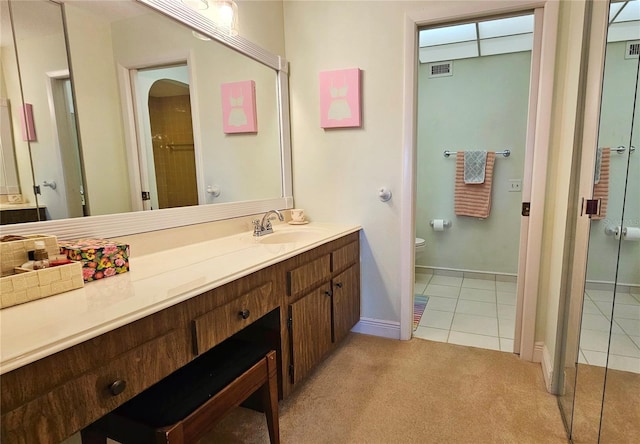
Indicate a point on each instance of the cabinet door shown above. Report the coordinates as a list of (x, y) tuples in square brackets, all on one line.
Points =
[(346, 302), (310, 319)]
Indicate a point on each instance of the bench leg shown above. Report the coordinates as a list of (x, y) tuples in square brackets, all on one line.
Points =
[(269, 393)]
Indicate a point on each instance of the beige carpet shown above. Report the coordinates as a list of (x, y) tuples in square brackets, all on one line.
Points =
[(374, 390), (621, 411)]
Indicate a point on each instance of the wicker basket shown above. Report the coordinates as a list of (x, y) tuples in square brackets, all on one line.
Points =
[(20, 285)]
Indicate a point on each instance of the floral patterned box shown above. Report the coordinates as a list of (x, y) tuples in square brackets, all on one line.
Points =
[(100, 257)]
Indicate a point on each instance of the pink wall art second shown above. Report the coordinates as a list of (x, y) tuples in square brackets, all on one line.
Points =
[(28, 126), (340, 98), (239, 107)]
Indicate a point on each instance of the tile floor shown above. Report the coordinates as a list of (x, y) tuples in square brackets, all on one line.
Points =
[(624, 351), (481, 313), (468, 310)]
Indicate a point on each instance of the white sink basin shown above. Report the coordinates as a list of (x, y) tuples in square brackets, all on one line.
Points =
[(291, 235)]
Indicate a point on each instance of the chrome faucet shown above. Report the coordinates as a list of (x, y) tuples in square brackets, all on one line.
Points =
[(262, 227)]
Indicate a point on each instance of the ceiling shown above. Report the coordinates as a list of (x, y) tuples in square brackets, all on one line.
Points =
[(512, 34), (46, 20)]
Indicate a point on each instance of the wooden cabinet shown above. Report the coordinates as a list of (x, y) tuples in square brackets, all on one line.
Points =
[(308, 275), (310, 327), (320, 318), (346, 302), (345, 267), (302, 307), (60, 411), (216, 325)]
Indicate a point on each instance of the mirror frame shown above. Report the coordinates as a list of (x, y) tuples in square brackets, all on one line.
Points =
[(123, 224)]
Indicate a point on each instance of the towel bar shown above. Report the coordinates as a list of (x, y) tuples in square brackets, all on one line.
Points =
[(621, 149), (505, 153)]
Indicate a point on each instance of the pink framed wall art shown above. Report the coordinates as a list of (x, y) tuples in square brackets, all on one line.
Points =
[(340, 98), (239, 107), (28, 126)]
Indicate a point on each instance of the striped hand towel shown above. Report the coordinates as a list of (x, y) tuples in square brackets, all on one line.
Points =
[(601, 187), (473, 199)]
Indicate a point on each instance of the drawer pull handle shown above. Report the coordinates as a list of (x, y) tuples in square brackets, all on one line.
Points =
[(328, 293), (244, 314), (117, 387), (339, 284)]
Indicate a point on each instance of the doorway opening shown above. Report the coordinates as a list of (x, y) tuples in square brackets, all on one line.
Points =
[(173, 149), (71, 198), (166, 149), (473, 100), (536, 157)]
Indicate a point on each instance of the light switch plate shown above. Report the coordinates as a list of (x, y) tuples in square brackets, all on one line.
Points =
[(515, 185)]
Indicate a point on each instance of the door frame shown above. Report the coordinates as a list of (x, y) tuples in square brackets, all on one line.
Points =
[(541, 94), (135, 139), (66, 200)]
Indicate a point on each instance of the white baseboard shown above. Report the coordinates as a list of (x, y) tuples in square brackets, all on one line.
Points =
[(541, 355), (378, 327), (538, 348)]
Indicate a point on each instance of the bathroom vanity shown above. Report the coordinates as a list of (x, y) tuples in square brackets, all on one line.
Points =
[(69, 359)]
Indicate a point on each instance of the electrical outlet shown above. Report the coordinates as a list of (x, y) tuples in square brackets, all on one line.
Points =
[(515, 186)]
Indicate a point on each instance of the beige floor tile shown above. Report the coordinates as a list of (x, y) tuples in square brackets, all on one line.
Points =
[(482, 284), (477, 308), (436, 319), (446, 280), (444, 291), (480, 325), (432, 334), (476, 294), (473, 340)]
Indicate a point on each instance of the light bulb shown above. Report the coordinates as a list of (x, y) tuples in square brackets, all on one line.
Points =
[(228, 16)]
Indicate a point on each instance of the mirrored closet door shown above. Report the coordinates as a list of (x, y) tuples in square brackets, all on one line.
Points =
[(600, 400)]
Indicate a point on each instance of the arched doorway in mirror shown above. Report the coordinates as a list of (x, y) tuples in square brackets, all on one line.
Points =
[(167, 157)]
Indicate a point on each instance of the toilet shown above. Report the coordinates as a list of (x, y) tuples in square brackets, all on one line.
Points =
[(419, 247)]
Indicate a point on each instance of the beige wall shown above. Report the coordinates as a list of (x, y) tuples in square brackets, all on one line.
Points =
[(11, 91), (98, 110), (336, 173), (38, 56)]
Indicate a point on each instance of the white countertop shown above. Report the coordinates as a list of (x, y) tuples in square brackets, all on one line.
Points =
[(37, 329), (8, 206)]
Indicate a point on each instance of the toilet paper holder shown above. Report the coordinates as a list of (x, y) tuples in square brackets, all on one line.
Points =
[(445, 223), (614, 231), (626, 233)]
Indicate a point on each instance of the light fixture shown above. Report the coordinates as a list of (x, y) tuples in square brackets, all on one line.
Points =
[(227, 16), (223, 13)]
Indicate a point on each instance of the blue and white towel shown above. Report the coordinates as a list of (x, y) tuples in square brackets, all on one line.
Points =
[(596, 176), (475, 165)]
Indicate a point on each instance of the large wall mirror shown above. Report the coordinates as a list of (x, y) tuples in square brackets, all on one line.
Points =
[(137, 114), (599, 397)]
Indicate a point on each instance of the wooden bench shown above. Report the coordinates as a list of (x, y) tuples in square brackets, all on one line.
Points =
[(186, 405)]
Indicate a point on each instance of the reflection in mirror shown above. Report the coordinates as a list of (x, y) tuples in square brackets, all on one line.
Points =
[(620, 420), (173, 156), (608, 369), (43, 142), (112, 46), (9, 182)]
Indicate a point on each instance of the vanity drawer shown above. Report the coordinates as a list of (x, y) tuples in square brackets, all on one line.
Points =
[(345, 256), (308, 275), (83, 400), (217, 325)]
